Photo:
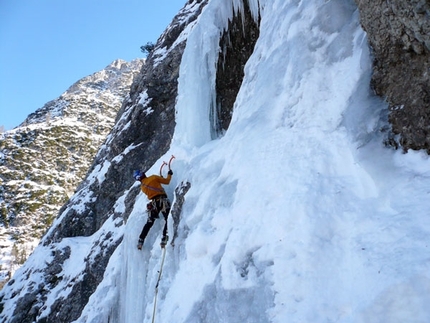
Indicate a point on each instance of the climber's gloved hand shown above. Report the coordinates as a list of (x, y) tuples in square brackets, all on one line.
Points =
[(170, 172)]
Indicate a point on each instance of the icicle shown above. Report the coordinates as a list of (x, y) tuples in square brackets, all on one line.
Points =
[(254, 7)]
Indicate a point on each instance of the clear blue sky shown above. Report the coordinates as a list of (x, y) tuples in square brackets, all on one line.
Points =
[(47, 45)]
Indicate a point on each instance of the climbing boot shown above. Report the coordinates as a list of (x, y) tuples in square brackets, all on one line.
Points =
[(164, 241), (140, 244)]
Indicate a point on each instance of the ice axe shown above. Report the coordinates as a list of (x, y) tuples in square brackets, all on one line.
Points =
[(161, 168), (170, 161), (164, 163)]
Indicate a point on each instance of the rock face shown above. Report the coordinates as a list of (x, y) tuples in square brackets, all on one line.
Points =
[(44, 159), (237, 44), (399, 34)]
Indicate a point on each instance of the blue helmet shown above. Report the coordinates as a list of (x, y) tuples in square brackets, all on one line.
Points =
[(137, 175)]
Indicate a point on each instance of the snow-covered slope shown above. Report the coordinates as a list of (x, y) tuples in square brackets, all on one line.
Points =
[(297, 214)]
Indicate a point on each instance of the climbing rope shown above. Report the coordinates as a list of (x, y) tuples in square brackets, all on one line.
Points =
[(163, 246), (158, 282)]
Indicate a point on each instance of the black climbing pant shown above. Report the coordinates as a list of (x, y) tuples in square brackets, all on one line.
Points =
[(158, 204)]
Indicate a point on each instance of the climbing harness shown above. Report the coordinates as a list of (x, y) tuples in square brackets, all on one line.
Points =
[(158, 282)]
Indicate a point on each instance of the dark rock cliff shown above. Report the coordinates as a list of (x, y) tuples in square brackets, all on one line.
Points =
[(236, 44), (399, 34)]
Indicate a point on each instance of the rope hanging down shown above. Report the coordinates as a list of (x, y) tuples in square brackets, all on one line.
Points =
[(158, 282), (164, 253)]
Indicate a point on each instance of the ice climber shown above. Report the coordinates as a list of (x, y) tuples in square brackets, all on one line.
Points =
[(151, 186)]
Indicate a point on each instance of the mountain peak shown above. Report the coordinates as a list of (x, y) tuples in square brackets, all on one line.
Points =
[(48, 155), (109, 85)]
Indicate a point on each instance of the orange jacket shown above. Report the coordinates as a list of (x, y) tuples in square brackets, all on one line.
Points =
[(151, 185)]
